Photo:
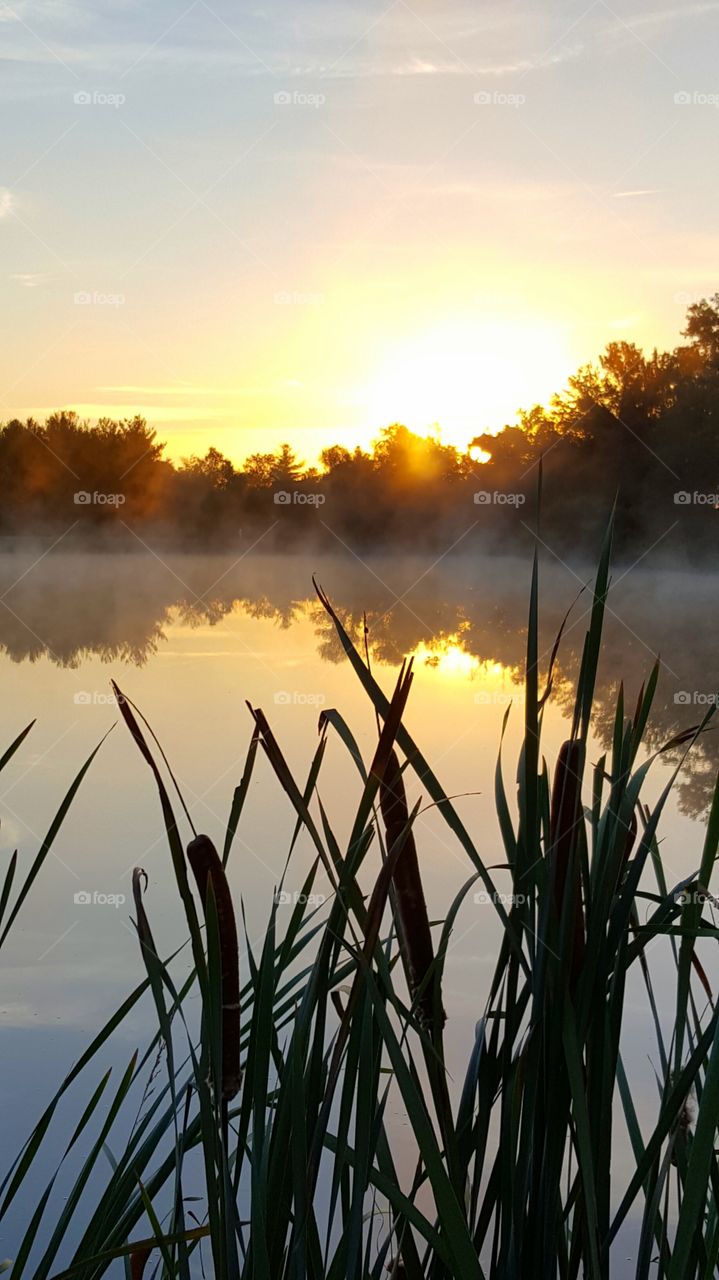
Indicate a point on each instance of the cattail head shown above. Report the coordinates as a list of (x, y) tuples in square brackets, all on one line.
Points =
[(207, 869), (566, 816), (413, 929), (138, 1262)]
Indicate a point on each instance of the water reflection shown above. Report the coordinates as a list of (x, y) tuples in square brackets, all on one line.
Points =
[(465, 618)]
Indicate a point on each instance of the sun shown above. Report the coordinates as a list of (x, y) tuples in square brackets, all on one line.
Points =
[(468, 376), (448, 657)]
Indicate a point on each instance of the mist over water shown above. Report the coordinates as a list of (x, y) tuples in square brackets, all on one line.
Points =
[(462, 614)]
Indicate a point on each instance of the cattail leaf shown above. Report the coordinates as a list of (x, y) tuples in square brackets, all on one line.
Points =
[(240, 795), (7, 884), (421, 767), (49, 840), (14, 746)]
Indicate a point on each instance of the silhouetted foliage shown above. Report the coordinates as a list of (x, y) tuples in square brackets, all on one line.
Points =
[(639, 429)]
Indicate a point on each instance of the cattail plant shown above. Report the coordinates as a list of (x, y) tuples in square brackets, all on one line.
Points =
[(210, 876), (412, 919), (514, 1172), (566, 816)]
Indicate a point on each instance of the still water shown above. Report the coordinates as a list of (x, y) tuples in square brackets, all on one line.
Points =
[(189, 639)]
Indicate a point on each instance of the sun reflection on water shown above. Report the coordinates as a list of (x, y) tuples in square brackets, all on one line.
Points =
[(450, 658)]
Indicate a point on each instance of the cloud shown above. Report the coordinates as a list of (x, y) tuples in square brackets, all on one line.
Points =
[(32, 279), (133, 389), (153, 412), (536, 62), (627, 195), (659, 17), (428, 67)]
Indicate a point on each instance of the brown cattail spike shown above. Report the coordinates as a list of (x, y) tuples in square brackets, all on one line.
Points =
[(138, 1262), (207, 868), (564, 823), (413, 929)]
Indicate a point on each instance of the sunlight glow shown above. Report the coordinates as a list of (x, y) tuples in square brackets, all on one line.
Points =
[(468, 376), (448, 658)]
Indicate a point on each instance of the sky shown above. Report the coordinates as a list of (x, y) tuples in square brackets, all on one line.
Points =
[(305, 221)]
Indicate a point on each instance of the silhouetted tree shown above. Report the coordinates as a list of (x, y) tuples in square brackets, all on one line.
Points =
[(632, 427)]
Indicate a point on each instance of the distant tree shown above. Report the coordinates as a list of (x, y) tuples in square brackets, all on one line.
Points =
[(629, 424), (335, 456), (702, 328), (214, 467), (258, 469), (267, 470), (412, 458), (287, 469)]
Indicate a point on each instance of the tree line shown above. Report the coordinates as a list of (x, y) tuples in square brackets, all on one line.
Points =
[(633, 430)]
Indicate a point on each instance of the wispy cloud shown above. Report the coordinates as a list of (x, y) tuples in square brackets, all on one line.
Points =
[(131, 389), (427, 67), (662, 17), (32, 279), (398, 42), (153, 413), (629, 195)]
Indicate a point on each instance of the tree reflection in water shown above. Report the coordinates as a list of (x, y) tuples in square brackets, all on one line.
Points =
[(469, 612)]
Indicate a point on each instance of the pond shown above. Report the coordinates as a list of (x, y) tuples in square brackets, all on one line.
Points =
[(189, 639)]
